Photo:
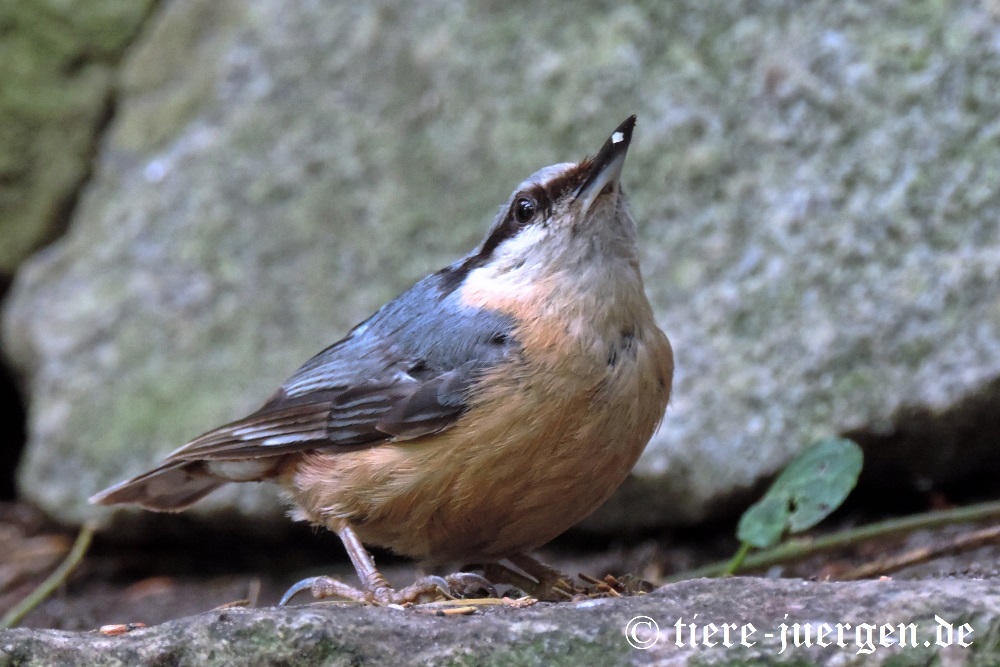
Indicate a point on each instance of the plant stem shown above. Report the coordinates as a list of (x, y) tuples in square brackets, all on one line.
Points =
[(802, 547), (736, 561), (58, 576)]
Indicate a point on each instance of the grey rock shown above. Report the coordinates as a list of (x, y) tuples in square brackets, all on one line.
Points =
[(942, 613), (57, 62), (816, 185)]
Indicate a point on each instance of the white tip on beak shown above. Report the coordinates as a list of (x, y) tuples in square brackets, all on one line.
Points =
[(606, 166)]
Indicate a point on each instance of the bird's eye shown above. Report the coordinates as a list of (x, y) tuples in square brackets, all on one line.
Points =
[(524, 209)]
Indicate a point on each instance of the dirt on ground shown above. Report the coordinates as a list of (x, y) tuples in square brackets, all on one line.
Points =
[(121, 583)]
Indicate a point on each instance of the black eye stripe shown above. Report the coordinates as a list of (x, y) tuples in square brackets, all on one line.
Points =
[(544, 196), (508, 228)]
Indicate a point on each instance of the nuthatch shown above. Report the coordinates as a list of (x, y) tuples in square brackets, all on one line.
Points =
[(476, 416)]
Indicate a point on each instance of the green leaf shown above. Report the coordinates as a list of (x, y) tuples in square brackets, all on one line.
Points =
[(812, 486)]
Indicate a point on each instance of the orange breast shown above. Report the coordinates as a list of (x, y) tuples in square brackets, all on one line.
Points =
[(548, 437)]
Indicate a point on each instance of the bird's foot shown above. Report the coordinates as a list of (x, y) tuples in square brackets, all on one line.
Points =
[(378, 592)]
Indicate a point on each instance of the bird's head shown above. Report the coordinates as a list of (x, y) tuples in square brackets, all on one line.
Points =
[(564, 218)]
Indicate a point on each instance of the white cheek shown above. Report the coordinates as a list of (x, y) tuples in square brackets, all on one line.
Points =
[(522, 258), (522, 244), (515, 268)]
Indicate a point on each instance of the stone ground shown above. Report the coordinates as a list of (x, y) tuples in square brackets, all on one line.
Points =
[(155, 583), (946, 621)]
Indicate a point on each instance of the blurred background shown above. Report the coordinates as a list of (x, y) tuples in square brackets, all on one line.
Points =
[(197, 196)]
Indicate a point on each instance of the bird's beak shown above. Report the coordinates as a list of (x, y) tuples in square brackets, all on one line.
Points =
[(605, 168)]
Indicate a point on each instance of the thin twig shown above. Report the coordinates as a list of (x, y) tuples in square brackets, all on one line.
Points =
[(964, 542), (53, 581), (799, 548)]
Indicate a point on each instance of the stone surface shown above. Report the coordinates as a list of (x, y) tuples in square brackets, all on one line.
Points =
[(587, 633), (816, 185), (57, 62)]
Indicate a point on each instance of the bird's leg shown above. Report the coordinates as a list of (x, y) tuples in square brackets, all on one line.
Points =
[(542, 582), (374, 587), (372, 581)]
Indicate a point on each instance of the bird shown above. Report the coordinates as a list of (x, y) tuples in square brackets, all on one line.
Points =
[(473, 418)]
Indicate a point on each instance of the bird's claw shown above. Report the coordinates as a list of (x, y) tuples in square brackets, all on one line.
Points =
[(295, 589), (426, 589)]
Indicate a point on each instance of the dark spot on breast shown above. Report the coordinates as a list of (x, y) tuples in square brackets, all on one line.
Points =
[(628, 334), (624, 345)]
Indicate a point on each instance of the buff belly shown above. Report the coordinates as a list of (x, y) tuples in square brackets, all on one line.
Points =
[(506, 477)]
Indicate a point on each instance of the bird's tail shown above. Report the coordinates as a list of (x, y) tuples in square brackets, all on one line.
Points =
[(172, 487)]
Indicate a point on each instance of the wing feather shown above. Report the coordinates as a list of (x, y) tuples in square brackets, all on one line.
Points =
[(403, 373), (363, 415)]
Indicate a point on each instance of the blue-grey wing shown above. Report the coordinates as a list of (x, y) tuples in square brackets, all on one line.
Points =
[(403, 373)]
